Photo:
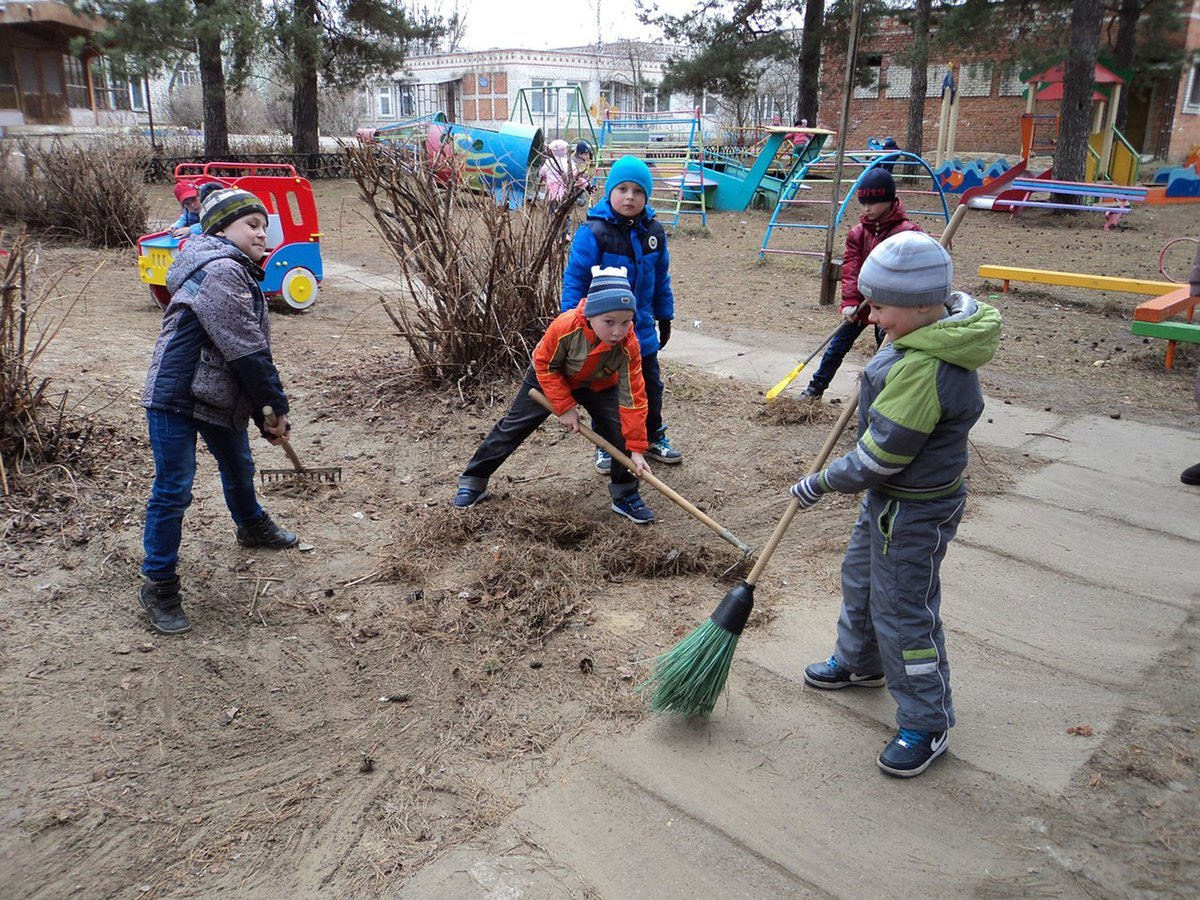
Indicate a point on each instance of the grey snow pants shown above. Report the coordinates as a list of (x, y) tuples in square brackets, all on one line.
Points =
[(891, 601)]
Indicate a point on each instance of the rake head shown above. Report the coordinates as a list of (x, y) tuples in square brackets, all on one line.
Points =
[(328, 475)]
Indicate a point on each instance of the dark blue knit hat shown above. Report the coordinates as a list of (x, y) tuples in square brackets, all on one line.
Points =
[(877, 186), (609, 292)]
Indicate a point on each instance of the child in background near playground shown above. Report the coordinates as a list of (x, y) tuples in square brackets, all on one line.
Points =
[(918, 399), (798, 138), (1191, 475), (621, 230), (211, 372), (889, 143), (883, 215), (188, 222), (589, 355), (582, 158)]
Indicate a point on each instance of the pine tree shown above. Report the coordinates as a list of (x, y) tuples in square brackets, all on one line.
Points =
[(1079, 78), (148, 36)]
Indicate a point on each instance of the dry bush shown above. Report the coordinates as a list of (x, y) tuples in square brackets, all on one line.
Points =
[(484, 280), (93, 193), (35, 428), (790, 411)]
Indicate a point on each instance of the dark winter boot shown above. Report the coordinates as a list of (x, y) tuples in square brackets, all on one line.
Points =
[(265, 533), (164, 604)]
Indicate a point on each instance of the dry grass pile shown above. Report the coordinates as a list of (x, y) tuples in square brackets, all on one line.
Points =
[(93, 193), (36, 429), (524, 569), (484, 280), (790, 411)]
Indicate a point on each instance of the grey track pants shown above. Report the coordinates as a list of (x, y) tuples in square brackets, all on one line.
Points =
[(891, 601)]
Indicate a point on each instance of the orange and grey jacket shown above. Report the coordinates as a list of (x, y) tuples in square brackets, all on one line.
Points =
[(570, 356)]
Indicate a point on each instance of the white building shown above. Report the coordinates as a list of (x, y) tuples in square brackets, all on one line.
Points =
[(481, 87)]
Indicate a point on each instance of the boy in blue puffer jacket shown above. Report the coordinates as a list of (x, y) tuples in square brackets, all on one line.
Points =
[(621, 231)]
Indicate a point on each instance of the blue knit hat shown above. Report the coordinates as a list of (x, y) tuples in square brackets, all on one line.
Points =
[(609, 292), (629, 168)]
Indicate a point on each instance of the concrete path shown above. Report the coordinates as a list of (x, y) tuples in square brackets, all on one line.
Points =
[(1064, 589)]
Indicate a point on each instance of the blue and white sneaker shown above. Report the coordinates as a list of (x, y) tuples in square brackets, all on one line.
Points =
[(602, 462), (831, 675), (634, 508), (662, 451), (910, 752), (467, 497)]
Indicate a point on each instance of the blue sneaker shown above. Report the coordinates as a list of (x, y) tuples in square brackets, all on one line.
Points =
[(634, 508), (662, 451), (832, 675), (910, 752), (467, 497), (602, 462)]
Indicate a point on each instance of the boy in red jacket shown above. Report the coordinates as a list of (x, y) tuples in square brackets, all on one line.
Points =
[(883, 215), (589, 355)]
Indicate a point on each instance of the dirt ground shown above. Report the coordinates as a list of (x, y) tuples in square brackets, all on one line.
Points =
[(340, 716)]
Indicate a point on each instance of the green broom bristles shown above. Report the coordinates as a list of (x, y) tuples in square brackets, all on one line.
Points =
[(689, 679)]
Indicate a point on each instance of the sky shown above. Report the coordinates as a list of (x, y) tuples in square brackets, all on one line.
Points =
[(540, 25)]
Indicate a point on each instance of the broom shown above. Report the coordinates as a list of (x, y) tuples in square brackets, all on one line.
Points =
[(690, 678)]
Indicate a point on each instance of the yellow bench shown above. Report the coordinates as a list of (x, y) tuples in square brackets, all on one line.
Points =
[(1075, 279)]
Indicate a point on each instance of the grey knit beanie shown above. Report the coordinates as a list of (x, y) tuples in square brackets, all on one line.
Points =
[(907, 269)]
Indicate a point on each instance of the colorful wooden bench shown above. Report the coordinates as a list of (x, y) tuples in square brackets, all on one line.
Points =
[(1154, 319), (1074, 279)]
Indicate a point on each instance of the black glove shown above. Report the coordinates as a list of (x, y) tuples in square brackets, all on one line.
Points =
[(664, 332)]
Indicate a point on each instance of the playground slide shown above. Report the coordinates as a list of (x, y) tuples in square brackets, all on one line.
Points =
[(985, 196), (734, 184)]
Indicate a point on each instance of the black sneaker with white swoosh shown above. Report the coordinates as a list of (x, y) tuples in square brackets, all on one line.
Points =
[(910, 752)]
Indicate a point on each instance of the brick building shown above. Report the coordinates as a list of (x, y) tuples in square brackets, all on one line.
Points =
[(992, 98)]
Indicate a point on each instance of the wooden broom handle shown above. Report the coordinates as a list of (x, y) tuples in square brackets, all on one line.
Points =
[(665, 489), (794, 507)]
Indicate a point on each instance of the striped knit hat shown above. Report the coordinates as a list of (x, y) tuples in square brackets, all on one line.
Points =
[(907, 269), (609, 292), (224, 207)]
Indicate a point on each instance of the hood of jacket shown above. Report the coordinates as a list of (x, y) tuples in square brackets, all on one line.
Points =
[(603, 210), (887, 221), (967, 336), (201, 249)]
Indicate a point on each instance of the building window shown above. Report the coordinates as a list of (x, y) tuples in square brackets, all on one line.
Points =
[(77, 89), (543, 98), (137, 94), (1010, 81), (708, 104), (573, 98), (872, 64), (8, 83), (1191, 98), (187, 76), (111, 88), (406, 100), (385, 102)]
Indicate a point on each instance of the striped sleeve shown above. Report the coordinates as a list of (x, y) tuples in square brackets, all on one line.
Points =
[(631, 397), (899, 423)]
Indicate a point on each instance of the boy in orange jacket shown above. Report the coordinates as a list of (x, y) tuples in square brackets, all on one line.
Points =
[(589, 355)]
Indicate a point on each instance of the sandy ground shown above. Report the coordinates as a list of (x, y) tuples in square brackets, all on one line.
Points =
[(256, 755)]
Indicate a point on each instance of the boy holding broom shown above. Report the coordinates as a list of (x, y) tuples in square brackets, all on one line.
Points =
[(918, 399), (589, 355)]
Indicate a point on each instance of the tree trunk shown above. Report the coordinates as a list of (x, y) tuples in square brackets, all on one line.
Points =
[(306, 129), (212, 80), (1075, 122), (1127, 21), (808, 99), (920, 60)]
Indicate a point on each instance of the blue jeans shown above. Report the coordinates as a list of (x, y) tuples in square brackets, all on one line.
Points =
[(173, 442), (839, 346)]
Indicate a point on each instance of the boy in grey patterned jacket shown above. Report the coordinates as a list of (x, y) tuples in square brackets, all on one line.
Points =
[(211, 371)]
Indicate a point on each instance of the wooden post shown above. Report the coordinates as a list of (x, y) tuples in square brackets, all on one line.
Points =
[(826, 296), (955, 105), (943, 123), (1114, 101)]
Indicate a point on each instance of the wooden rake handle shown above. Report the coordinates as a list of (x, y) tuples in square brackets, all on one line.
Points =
[(270, 418), (665, 489)]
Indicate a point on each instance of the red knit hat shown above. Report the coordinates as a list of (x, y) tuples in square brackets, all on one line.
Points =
[(185, 190)]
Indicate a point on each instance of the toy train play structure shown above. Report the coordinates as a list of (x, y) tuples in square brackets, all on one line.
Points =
[(292, 263)]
